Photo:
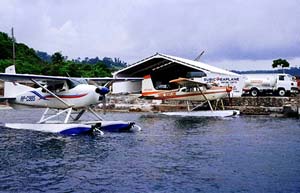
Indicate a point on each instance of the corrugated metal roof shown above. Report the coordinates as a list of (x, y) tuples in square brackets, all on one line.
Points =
[(186, 62)]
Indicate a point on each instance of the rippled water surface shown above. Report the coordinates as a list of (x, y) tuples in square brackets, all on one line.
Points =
[(244, 154)]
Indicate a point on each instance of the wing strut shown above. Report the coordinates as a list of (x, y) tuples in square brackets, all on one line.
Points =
[(94, 113), (207, 100), (44, 118)]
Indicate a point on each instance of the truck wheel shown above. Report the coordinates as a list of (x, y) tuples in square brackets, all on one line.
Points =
[(281, 92), (254, 92)]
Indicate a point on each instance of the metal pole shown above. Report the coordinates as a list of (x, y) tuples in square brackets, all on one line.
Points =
[(13, 40), (199, 56)]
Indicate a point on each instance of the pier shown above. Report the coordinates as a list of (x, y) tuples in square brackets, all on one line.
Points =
[(268, 105), (262, 105)]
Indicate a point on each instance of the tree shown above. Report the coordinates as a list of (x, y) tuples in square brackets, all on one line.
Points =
[(44, 56), (57, 58), (280, 62)]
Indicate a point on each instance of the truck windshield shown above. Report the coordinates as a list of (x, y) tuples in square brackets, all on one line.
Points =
[(293, 78)]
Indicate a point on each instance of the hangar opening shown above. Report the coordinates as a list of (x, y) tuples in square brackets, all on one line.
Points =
[(163, 68)]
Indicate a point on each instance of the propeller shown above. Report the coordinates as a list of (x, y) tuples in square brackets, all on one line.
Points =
[(228, 90), (102, 91)]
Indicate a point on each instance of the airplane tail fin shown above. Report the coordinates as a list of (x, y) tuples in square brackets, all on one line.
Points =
[(12, 89), (147, 86)]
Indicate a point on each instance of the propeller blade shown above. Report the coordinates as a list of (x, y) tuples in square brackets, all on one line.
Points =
[(103, 91), (104, 104)]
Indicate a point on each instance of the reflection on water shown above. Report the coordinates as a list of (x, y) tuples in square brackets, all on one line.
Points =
[(244, 154)]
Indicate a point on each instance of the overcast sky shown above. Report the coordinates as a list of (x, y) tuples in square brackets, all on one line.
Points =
[(235, 34)]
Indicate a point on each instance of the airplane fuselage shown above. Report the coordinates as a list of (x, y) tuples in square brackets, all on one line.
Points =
[(190, 95), (80, 96)]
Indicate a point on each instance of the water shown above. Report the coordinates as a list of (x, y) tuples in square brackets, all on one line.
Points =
[(244, 154)]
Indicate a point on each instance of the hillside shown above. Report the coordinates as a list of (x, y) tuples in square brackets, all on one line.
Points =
[(26, 59), (293, 71), (31, 61), (110, 63)]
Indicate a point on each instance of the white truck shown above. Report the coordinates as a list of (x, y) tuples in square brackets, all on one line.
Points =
[(275, 84)]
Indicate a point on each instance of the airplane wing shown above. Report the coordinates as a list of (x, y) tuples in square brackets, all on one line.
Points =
[(11, 76), (188, 82), (18, 77), (115, 79), (110, 81)]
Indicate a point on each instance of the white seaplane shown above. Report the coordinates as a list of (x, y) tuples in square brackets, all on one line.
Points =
[(63, 97), (191, 91)]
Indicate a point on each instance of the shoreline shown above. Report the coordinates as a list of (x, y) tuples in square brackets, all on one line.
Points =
[(268, 105)]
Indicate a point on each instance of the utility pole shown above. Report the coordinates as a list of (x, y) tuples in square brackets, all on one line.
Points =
[(14, 52)]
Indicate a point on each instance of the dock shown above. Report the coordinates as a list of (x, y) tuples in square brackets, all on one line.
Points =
[(267, 105), (262, 105)]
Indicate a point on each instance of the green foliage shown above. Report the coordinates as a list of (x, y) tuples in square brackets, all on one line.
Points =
[(5, 63), (5, 46), (43, 56), (29, 61), (57, 58), (280, 62)]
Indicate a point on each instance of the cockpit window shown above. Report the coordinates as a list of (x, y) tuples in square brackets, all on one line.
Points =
[(74, 82)]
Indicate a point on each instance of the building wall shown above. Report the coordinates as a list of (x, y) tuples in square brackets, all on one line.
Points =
[(236, 82), (127, 87)]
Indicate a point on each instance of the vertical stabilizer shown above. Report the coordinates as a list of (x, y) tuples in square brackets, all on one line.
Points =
[(12, 89), (147, 85)]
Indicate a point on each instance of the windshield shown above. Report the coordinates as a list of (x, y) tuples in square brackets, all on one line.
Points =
[(74, 82), (293, 78)]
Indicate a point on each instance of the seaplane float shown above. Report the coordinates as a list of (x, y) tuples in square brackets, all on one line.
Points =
[(191, 91), (66, 99)]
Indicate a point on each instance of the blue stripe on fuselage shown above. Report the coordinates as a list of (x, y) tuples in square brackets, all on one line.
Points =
[(39, 95)]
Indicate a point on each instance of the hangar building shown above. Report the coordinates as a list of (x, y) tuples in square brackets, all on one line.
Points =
[(164, 68)]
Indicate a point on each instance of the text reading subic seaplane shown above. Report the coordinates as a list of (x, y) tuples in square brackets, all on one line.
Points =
[(63, 97), (190, 91)]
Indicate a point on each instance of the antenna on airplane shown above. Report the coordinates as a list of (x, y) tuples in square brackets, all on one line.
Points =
[(199, 56)]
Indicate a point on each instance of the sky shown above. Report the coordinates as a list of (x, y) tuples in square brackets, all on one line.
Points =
[(235, 34)]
